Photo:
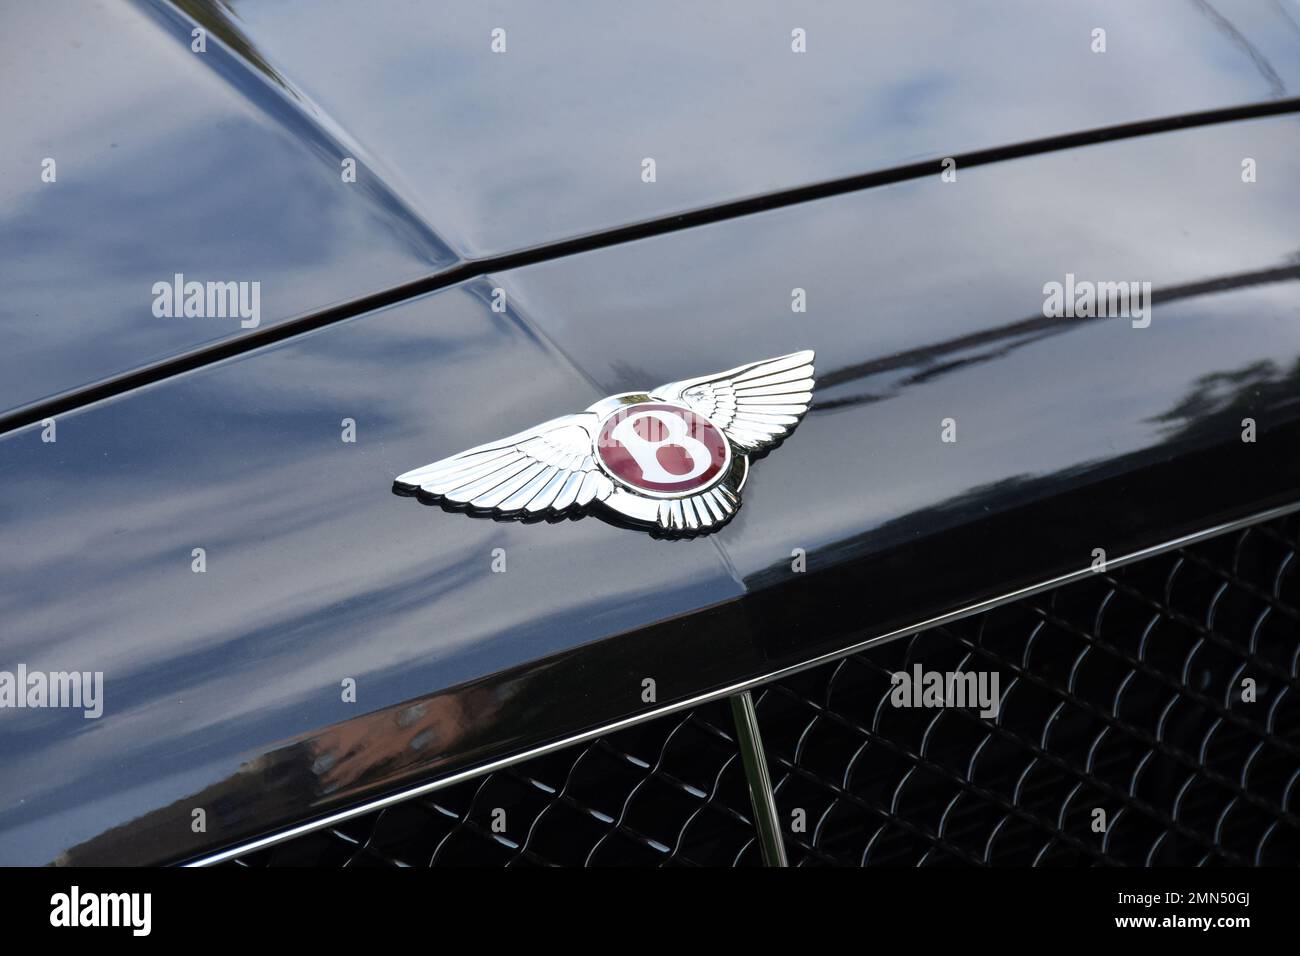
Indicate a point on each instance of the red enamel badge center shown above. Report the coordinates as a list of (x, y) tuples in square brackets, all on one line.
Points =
[(662, 449)]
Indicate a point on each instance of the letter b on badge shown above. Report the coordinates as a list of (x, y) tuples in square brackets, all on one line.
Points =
[(646, 452), (662, 449)]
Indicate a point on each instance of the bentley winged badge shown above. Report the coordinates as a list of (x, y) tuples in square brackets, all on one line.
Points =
[(672, 460)]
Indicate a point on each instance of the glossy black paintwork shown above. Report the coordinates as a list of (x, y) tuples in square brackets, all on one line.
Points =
[(225, 165), (545, 141), (314, 567), (168, 161), (923, 295), (924, 302)]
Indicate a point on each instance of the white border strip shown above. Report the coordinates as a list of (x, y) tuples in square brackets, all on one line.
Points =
[(410, 793)]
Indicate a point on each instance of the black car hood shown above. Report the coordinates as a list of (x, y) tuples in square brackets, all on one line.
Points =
[(226, 164), (227, 690)]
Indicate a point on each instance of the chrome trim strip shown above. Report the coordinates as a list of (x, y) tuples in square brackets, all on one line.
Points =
[(770, 839), (738, 688)]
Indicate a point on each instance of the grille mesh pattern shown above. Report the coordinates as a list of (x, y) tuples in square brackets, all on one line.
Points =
[(1121, 694), (667, 792)]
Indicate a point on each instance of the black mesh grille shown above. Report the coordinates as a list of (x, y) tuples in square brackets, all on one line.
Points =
[(1121, 694), (667, 792)]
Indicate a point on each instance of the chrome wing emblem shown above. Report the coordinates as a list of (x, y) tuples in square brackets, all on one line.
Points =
[(673, 459)]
